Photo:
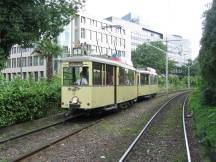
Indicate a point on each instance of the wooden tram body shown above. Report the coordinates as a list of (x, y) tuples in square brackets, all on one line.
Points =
[(108, 84)]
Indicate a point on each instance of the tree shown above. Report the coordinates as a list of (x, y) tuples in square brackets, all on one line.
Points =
[(147, 56), (207, 56), (25, 22), (48, 49)]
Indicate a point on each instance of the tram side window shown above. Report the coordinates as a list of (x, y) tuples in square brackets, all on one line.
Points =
[(144, 79), (122, 76), (109, 75), (126, 77), (153, 79), (97, 74), (130, 77)]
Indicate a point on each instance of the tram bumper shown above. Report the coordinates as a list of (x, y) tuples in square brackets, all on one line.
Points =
[(74, 106)]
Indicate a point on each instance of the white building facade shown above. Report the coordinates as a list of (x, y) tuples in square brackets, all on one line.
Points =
[(98, 37), (138, 33), (179, 49), (21, 62)]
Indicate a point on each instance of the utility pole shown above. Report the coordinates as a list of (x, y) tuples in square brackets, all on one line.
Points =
[(167, 72), (21, 70), (188, 77)]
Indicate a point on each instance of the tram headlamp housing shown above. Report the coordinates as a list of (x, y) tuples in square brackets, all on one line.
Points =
[(75, 100)]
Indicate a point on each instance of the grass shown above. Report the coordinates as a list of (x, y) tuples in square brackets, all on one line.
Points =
[(204, 123)]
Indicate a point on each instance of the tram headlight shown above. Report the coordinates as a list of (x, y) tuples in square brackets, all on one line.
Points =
[(75, 100)]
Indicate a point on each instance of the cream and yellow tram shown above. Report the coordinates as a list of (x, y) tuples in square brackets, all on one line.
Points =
[(147, 80), (90, 82)]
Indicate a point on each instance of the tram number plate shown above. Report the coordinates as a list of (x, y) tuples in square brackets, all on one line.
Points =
[(75, 64)]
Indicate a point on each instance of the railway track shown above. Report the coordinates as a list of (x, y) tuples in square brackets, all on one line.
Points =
[(49, 125), (29, 154), (130, 151), (62, 121)]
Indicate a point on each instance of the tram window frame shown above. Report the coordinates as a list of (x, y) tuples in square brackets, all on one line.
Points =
[(109, 78), (97, 80), (144, 79)]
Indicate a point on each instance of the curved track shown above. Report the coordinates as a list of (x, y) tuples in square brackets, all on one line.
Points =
[(130, 148)]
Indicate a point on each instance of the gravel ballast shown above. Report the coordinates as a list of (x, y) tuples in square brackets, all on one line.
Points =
[(105, 141)]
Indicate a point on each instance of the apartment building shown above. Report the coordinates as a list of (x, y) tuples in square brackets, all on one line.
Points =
[(98, 37), (138, 33), (23, 63), (179, 49)]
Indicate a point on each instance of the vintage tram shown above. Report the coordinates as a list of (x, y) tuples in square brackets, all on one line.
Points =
[(96, 83)]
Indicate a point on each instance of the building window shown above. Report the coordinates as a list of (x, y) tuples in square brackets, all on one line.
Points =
[(24, 61), (18, 62), (29, 61), (41, 61), (88, 21), (36, 75), (94, 36), (18, 50), (35, 60), (83, 33), (9, 63), (9, 76), (24, 75), (83, 20), (14, 63), (41, 75)]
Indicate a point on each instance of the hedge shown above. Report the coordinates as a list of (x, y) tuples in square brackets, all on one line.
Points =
[(22, 100)]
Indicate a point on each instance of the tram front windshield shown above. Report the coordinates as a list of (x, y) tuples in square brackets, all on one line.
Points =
[(75, 75)]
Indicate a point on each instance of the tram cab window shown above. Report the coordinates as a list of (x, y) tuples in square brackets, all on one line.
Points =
[(75, 75), (97, 74), (109, 75)]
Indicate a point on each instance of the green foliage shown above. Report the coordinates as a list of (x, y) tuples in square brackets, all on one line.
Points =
[(25, 22), (147, 56), (207, 57), (23, 100), (204, 121), (48, 49)]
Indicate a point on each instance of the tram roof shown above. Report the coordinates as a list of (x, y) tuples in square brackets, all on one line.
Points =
[(146, 72), (96, 59)]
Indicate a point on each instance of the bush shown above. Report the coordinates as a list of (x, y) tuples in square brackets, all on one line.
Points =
[(23, 100), (204, 122)]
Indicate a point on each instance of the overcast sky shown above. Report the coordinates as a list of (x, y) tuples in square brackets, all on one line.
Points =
[(181, 17)]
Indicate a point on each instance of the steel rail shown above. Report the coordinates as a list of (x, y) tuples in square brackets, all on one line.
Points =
[(124, 156), (185, 131), (22, 157), (37, 130)]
